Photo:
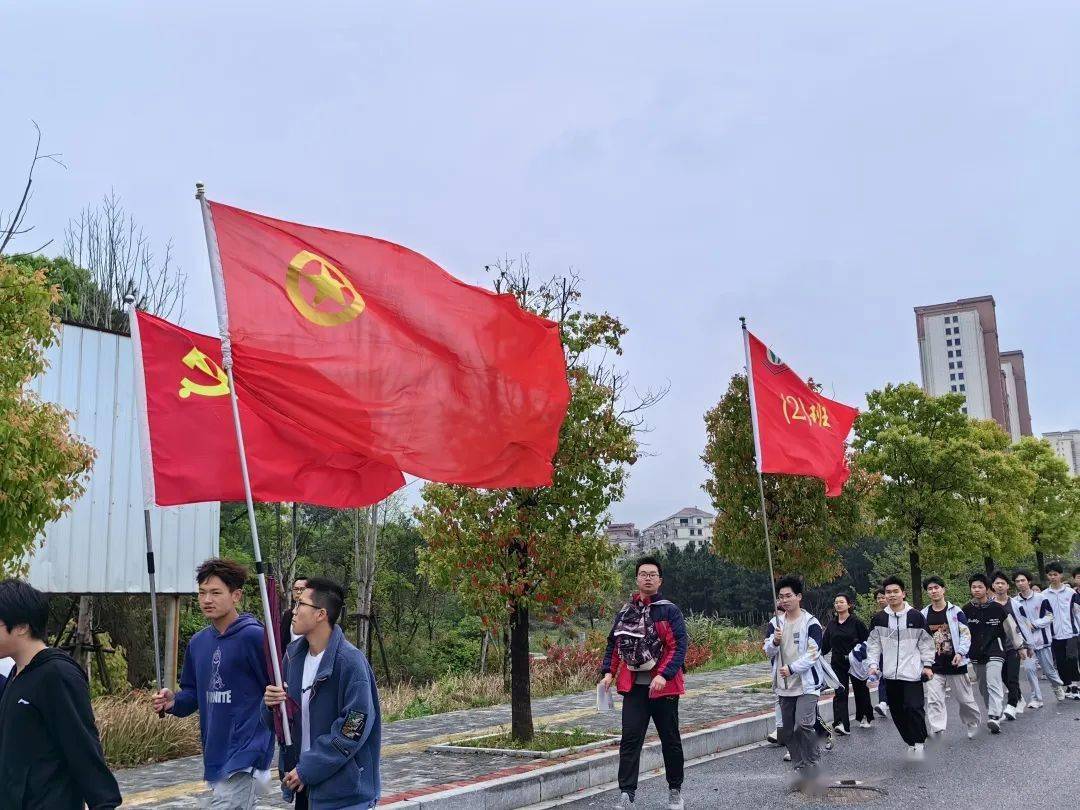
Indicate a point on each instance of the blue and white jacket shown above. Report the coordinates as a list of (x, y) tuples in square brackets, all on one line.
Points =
[(902, 642), (812, 668), (1036, 619), (1062, 602), (858, 664), (958, 630)]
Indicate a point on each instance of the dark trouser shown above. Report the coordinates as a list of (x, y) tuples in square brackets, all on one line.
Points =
[(881, 691), (907, 705), (800, 718), (1010, 674), (637, 709), (301, 802), (1066, 664), (863, 709)]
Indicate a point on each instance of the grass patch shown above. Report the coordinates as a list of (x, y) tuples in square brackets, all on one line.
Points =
[(543, 740), (132, 733)]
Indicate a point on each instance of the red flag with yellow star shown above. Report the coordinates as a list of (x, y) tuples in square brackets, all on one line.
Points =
[(798, 431), (375, 348), (189, 441)]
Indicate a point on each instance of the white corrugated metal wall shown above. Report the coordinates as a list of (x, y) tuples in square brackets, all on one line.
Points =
[(98, 546)]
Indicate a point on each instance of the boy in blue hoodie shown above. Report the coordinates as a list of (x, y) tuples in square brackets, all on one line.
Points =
[(333, 763), (224, 677)]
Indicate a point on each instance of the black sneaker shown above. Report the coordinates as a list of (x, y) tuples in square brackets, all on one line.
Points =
[(994, 724)]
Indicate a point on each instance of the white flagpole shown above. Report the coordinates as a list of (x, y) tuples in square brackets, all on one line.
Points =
[(227, 364), (148, 479), (757, 454)]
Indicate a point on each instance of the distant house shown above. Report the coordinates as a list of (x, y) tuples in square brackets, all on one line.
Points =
[(687, 526), (625, 536)]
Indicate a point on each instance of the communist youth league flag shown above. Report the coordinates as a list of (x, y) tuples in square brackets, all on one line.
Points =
[(376, 348), (189, 440), (798, 431)]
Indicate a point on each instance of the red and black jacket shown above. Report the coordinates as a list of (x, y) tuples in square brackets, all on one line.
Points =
[(671, 628)]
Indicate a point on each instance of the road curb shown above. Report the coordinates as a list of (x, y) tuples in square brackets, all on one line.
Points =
[(534, 783)]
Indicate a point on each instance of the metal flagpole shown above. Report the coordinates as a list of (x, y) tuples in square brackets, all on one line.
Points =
[(757, 455), (227, 365), (140, 388)]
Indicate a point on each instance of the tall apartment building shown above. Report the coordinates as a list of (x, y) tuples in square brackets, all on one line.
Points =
[(1066, 443), (959, 353)]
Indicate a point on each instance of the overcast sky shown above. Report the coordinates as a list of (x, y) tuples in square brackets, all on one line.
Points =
[(821, 168)]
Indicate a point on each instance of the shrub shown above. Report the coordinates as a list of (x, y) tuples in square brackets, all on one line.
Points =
[(132, 733)]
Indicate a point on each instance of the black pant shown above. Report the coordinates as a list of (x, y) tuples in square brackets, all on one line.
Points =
[(863, 709), (1010, 674), (1065, 663), (301, 800), (907, 706), (637, 709)]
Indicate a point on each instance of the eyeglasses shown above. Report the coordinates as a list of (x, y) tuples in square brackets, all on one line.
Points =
[(302, 602), (647, 575)]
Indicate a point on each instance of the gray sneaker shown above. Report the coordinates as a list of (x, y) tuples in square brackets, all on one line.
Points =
[(626, 802), (674, 799)]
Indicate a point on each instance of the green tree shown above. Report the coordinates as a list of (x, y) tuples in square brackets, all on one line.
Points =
[(808, 531), (1051, 513), (43, 464), (1002, 486), (923, 451), (512, 553)]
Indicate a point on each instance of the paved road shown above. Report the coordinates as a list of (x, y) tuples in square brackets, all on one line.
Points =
[(1028, 762)]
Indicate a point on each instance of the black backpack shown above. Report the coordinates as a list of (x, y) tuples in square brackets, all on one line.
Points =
[(636, 639)]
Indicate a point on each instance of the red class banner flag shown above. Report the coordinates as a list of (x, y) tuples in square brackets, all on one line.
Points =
[(379, 350), (189, 444), (798, 431)]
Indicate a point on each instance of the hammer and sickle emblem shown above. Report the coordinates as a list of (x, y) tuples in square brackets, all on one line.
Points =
[(330, 287), (195, 359)]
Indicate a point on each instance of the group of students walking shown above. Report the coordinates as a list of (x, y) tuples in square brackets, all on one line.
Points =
[(51, 754), (914, 659)]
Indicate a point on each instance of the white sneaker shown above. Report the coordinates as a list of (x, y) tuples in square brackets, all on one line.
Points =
[(625, 802), (920, 751), (1035, 704), (911, 753), (1021, 706), (973, 729), (882, 709), (1010, 713), (1059, 692), (787, 757), (864, 723), (675, 801), (994, 724)]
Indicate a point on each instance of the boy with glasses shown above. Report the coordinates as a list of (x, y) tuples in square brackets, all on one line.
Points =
[(645, 653), (334, 758)]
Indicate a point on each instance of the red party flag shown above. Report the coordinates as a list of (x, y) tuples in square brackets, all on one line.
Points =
[(189, 439), (798, 431), (379, 350)]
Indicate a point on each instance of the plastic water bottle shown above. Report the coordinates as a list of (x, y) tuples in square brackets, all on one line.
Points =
[(873, 680)]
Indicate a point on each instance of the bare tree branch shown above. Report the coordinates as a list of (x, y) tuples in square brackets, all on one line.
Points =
[(12, 227), (116, 253)]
